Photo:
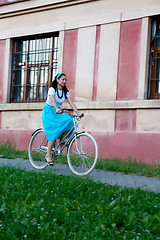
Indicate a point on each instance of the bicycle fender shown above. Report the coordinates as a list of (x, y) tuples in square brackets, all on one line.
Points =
[(36, 130)]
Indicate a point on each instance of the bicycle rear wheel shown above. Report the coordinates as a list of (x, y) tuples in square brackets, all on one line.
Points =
[(38, 149), (82, 154)]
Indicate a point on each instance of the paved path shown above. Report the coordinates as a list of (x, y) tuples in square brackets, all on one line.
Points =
[(112, 178)]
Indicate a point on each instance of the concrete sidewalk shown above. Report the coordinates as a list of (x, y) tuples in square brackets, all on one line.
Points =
[(112, 178)]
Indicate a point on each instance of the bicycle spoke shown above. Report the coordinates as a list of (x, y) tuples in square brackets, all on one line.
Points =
[(82, 154), (38, 149)]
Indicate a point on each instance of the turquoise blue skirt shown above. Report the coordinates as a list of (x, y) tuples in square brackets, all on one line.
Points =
[(55, 124)]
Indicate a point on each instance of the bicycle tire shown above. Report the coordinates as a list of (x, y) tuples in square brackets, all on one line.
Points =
[(82, 154), (38, 149)]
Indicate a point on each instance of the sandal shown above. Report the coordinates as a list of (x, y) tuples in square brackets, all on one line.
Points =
[(49, 161)]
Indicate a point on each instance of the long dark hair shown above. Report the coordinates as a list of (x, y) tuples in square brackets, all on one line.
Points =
[(54, 84)]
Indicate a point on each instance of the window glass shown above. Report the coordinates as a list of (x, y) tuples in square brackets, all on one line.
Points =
[(157, 89), (157, 34)]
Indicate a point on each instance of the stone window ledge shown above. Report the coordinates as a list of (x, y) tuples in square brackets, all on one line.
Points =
[(88, 105)]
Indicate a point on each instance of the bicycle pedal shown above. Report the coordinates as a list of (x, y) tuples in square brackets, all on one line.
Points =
[(57, 153)]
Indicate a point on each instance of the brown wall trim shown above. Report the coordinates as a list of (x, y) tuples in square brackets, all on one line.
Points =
[(6, 2), (41, 7)]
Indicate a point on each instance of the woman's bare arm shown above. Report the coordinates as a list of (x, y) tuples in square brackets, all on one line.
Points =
[(54, 104), (73, 106)]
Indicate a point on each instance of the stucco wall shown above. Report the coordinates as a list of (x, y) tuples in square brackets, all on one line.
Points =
[(104, 50), (63, 15), (108, 62), (28, 120), (85, 63)]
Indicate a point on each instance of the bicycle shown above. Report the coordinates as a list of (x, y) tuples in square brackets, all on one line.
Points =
[(82, 149)]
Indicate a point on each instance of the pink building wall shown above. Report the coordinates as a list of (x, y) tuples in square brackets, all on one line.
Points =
[(2, 62), (20, 138), (96, 62), (0, 119), (143, 147), (125, 121), (70, 58), (129, 59), (125, 141)]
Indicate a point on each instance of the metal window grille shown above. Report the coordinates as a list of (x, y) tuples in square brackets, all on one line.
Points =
[(34, 66), (154, 80)]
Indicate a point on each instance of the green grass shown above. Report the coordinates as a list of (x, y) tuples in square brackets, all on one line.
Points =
[(7, 150), (46, 206), (129, 167)]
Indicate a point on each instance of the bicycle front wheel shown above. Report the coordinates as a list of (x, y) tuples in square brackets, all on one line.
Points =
[(38, 149), (82, 154)]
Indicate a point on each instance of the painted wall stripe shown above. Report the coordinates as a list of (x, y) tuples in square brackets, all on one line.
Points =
[(70, 59), (96, 63), (2, 62), (0, 119), (129, 60)]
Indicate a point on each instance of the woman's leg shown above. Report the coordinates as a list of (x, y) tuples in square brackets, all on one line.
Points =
[(64, 134), (50, 146), (49, 156)]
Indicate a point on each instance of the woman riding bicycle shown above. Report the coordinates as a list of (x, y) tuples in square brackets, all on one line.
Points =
[(56, 124)]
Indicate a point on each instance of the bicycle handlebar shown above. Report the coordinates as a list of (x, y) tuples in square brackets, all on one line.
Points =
[(81, 115), (74, 116)]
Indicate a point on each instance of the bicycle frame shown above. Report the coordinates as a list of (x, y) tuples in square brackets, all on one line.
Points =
[(66, 143), (74, 134)]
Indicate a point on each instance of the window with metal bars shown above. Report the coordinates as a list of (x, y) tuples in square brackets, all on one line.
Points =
[(154, 80), (35, 62)]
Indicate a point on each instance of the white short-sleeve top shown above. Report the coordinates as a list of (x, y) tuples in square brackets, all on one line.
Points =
[(58, 93)]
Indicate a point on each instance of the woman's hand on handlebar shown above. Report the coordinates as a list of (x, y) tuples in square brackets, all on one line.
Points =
[(58, 111), (81, 115)]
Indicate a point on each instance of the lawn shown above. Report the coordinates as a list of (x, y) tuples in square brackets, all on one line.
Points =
[(47, 206)]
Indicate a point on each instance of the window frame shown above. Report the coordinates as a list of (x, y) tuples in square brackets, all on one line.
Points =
[(154, 51), (51, 64)]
